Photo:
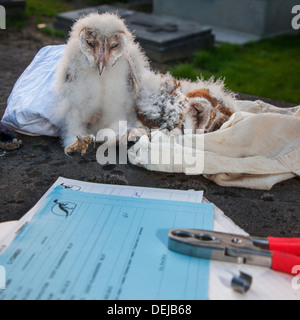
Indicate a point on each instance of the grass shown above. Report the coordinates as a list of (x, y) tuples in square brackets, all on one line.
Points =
[(45, 9), (268, 68), (42, 10)]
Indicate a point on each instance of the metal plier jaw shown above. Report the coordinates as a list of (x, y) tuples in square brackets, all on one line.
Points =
[(280, 254), (221, 246)]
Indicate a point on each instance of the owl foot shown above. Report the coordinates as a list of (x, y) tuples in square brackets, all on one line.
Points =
[(80, 146)]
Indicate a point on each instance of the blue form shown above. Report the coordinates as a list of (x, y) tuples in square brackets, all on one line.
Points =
[(90, 246)]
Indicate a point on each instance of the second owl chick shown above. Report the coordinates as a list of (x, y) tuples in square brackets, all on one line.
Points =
[(165, 103)]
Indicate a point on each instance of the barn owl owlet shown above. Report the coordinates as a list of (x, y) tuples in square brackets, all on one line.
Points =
[(166, 103), (97, 80)]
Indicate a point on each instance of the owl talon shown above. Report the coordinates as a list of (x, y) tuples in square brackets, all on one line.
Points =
[(80, 139), (80, 146)]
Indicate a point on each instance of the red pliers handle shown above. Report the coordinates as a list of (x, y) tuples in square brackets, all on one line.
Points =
[(285, 254)]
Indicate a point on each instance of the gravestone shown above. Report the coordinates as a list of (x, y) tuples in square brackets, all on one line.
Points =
[(163, 38), (259, 18)]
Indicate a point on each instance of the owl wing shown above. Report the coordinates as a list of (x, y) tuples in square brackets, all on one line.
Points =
[(138, 64)]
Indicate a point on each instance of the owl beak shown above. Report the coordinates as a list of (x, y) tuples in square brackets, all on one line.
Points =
[(101, 67), (101, 62)]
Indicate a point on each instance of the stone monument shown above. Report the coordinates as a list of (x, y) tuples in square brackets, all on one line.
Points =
[(256, 18)]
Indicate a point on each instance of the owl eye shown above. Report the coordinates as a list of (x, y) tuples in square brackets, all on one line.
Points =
[(91, 44), (114, 46)]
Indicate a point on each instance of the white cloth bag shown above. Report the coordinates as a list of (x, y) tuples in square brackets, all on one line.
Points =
[(258, 147)]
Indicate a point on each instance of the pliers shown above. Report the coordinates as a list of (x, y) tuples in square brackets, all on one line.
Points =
[(279, 254)]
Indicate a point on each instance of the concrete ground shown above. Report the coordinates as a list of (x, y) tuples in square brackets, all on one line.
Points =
[(27, 173)]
